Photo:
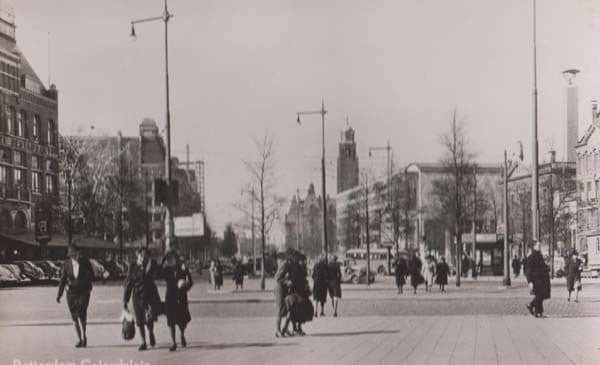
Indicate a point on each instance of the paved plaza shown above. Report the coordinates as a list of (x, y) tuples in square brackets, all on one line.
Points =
[(479, 323)]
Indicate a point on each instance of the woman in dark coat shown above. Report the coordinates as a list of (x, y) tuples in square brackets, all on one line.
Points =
[(238, 275), (319, 276), (442, 271), (282, 285), (179, 281), (141, 287), (334, 283), (573, 268), (299, 306), (414, 268), (218, 275), (400, 271), (538, 277)]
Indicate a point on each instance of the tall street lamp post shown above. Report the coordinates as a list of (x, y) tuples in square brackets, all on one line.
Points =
[(507, 166), (165, 17), (69, 219), (535, 201), (321, 112), (389, 204)]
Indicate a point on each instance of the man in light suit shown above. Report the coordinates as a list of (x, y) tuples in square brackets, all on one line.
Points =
[(77, 275)]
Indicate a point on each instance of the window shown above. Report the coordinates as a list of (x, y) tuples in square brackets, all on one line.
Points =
[(8, 110), (597, 188), (597, 244), (35, 182), (36, 127), (588, 190), (49, 184), (19, 158), (51, 133), (3, 175), (36, 162), (19, 178), (20, 127)]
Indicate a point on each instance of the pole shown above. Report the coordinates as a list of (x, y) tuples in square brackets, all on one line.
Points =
[(253, 248), (552, 233), (535, 223), (367, 228), (474, 248), (146, 206), (323, 178), (69, 220), (406, 208), (389, 184), (171, 226), (298, 222), (506, 270)]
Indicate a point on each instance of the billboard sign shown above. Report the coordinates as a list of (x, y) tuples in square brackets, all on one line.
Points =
[(189, 226)]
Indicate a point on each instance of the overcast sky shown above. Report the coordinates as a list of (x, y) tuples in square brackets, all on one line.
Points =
[(396, 68)]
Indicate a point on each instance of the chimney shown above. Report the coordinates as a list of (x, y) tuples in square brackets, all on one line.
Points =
[(572, 115), (552, 156)]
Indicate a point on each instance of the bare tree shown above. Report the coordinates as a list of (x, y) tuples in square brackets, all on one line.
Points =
[(452, 190), (262, 174)]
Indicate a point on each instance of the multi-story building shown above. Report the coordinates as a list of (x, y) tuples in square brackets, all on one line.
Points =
[(304, 223), (588, 191), (28, 142)]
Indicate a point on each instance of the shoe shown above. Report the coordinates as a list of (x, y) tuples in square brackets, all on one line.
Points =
[(173, 348), (79, 344), (576, 300), (316, 315), (530, 308), (279, 334), (152, 340), (301, 333), (84, 343), (287, 333), (322, 314), (335, 314), (143, 347), (183, 342)]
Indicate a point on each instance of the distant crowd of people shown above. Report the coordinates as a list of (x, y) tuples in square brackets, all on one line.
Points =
[(433, 272)]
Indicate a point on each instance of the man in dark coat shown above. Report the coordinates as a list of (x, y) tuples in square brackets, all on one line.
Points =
[(334, 283), (141, 287), (516, 266), (400, 272), (441, 277), (538, 278), (77, 275), (319, 276), (282, 283), (414, 268)]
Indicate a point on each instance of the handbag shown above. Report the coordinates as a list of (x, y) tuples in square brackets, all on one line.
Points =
[(127, 325)]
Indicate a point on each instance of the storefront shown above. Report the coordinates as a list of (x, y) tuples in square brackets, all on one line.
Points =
[(489, 252)]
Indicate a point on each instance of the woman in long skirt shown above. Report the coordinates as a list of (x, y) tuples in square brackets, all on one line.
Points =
[(441, 276), (573, 268), (400, 272), (414, 268), (429, 272), (319, 276), (179, 281)]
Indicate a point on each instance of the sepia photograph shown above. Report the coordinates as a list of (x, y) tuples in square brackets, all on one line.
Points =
[(299, 182)]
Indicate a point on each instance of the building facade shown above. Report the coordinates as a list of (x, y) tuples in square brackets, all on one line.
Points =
[(588, 191), (28, 140), (304, 223)]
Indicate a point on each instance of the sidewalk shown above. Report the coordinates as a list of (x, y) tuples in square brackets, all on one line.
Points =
[(342, 340)]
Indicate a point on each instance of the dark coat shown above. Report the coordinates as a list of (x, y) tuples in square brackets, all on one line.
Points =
[(238, 274), (319, 276), (400, 271), (334, 279), (414, 268), (442, 271), (538, 274), (141, 288), (573, 270), (176, 299), (80, 284)]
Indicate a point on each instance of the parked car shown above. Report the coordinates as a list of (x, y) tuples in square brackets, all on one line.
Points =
[(52, 271), (23, 279), (100, 272), (7, 278), (33, 272), (356, 275), (114, 272)]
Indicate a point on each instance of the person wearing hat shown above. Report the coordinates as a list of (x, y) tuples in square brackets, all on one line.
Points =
[(538, 279), (77, 275), (140, 286), (573, 268), (319, 275), (400, 272), (334, 283), (178, 281)]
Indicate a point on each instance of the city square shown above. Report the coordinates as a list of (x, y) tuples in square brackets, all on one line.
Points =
[(314, 182)]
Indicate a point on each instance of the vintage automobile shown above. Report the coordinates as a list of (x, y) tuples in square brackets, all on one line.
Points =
[(7, 278), (32, 271), (14, 269), (356, 275), (52, 271)]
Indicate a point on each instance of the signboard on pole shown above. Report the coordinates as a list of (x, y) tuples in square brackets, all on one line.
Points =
[(42, 225), (189, 226)]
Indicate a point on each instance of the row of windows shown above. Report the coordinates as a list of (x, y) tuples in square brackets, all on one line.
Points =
[(18, 178), (587, 191), (15, 123), (19, 158), (588, 163)]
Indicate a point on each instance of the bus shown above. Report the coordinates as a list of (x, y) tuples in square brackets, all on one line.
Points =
[(358, 257)]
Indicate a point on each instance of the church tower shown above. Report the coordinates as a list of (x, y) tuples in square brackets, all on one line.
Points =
[(347, 163)]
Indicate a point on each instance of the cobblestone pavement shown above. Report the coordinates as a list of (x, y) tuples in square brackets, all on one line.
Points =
[(478, 323)]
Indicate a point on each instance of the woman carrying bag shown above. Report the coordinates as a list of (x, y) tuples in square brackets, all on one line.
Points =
[(179, 281)]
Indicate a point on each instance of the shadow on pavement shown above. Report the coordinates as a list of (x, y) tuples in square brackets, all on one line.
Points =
[(358, 333)]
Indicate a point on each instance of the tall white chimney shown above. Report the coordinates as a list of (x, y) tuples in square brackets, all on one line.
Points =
[(572, 115)]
